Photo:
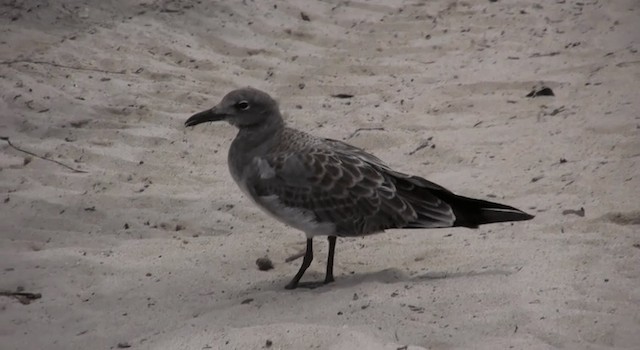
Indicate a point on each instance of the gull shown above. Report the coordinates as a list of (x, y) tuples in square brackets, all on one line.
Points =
[(326, 187)]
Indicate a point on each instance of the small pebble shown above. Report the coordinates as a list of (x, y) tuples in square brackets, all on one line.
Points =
[(264, 264)]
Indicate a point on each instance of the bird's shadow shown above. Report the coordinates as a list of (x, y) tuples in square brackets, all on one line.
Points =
[(386, 276)]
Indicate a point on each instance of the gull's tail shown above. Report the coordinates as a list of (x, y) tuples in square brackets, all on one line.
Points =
[(436, 206), (471, 212)]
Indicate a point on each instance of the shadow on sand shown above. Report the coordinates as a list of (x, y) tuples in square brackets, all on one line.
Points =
[(387, 276)]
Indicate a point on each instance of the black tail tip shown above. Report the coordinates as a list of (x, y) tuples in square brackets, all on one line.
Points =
[(491, 215)]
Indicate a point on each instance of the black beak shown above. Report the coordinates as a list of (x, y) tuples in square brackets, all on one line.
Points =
[(210, 115)]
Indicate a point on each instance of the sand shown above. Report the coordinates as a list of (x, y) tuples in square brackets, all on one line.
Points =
[(154, 247)]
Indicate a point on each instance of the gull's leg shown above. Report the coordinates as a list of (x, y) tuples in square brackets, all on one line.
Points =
[(332, 248), (306, 261)]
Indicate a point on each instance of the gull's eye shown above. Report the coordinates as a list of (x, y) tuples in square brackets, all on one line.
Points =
[(243, 105)]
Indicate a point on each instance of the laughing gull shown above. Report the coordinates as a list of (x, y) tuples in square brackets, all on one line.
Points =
[(325, 187)]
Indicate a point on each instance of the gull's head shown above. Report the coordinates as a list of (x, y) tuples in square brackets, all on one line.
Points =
[(244, 107)]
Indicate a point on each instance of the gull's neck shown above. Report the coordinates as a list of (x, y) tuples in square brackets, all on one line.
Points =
[(254, 140)]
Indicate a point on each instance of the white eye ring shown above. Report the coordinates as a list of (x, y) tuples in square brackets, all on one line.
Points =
[(243, 105)]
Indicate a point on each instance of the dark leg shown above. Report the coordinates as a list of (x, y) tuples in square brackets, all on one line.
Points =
[(332, 248), (306, 261)]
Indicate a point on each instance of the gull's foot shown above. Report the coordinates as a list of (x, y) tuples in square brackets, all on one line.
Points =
[(307, 285), (291, 285), (328, 279)]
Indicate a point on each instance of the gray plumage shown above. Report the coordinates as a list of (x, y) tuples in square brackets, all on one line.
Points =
[(328, 187)]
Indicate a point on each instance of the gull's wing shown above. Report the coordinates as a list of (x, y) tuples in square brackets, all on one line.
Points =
[(375, 161), (346, 187)]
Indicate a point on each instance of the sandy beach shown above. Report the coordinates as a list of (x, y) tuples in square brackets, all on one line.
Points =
[(150, 245)]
